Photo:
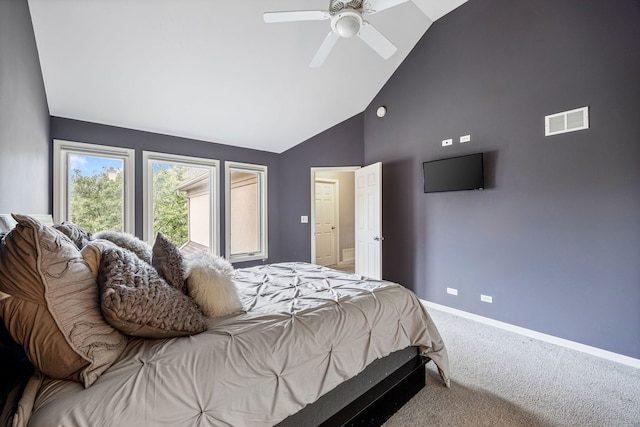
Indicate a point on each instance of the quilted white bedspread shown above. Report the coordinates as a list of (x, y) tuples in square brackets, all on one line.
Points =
[(305, 330)]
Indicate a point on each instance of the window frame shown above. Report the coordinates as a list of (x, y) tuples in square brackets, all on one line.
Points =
[(61, 151), (214, 189), (262, 171)]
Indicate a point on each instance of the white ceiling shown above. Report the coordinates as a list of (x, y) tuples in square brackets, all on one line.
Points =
[(212, 69)]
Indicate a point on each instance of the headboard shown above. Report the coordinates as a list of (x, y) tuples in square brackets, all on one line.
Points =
[(7, 222)]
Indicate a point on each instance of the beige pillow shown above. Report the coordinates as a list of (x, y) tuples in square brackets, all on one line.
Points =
[(53, 311)]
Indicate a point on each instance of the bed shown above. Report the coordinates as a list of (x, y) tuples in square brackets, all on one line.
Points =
[(312, 345)]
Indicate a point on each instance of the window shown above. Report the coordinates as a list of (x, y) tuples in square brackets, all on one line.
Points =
[(246, 211), (93, 186), (181, 200)]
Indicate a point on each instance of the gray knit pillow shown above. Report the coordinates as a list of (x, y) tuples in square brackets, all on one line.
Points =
[(168, 261), (138, 302)]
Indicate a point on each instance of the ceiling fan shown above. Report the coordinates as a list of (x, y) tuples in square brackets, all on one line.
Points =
[(346, 21)]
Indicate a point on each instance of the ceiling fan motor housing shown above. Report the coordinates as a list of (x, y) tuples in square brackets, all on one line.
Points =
[(337, 5)]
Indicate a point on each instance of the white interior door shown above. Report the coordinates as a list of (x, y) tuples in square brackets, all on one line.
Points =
[(369, 221), (325, 225)]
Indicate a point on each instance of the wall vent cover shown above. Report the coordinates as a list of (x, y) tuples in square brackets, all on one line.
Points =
[(567, 121)]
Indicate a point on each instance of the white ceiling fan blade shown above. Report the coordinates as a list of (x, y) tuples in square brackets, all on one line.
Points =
[(296, 15), (373, 6), (376, 40), (325, 49)]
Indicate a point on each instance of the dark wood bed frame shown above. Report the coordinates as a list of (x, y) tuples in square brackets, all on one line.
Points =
[(370, 398)]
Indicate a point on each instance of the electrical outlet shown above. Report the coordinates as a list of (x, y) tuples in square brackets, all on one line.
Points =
[(465, 138), (486, 298), (452, 291), (447, 142), (304, 219)]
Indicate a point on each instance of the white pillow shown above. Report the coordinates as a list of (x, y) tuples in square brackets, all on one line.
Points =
[(210, 284)]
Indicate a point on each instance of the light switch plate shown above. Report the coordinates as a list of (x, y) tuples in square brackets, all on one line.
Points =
[(304, 219)]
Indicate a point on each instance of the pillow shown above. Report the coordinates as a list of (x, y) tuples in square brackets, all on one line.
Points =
[(168, 261), (138, 302), (53, 311), (127, 241), (76, 234), (210, 284)]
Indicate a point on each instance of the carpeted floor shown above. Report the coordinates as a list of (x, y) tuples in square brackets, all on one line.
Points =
[(348, 267), (500, 378)]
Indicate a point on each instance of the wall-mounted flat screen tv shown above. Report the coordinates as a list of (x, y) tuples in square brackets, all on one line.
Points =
[(454, 174)]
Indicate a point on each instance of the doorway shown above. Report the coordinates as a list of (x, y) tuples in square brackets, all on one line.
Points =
[(333, 217), (327, 193)]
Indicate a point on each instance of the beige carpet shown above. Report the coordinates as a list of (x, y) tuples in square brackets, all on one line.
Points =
[(501, 378), (348, 267)]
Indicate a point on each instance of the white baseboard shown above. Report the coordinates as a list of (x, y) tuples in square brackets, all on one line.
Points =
[(348, 255), (594, 351)]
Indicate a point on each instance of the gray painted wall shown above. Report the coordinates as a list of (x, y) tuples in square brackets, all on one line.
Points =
[(24, 115), (341, 145), (93, 133), (555, 237)]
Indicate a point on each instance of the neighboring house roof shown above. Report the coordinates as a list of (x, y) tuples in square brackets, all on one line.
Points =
[(192, 247), (196, 182)]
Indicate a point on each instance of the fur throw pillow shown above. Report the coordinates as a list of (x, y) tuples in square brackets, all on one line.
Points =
[(129, 242), (210, 284)]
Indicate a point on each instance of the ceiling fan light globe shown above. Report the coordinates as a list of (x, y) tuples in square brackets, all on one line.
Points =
[(347, 26), (346, 23)]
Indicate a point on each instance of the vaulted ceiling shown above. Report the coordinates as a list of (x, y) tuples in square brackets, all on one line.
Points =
[(214, 70)]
